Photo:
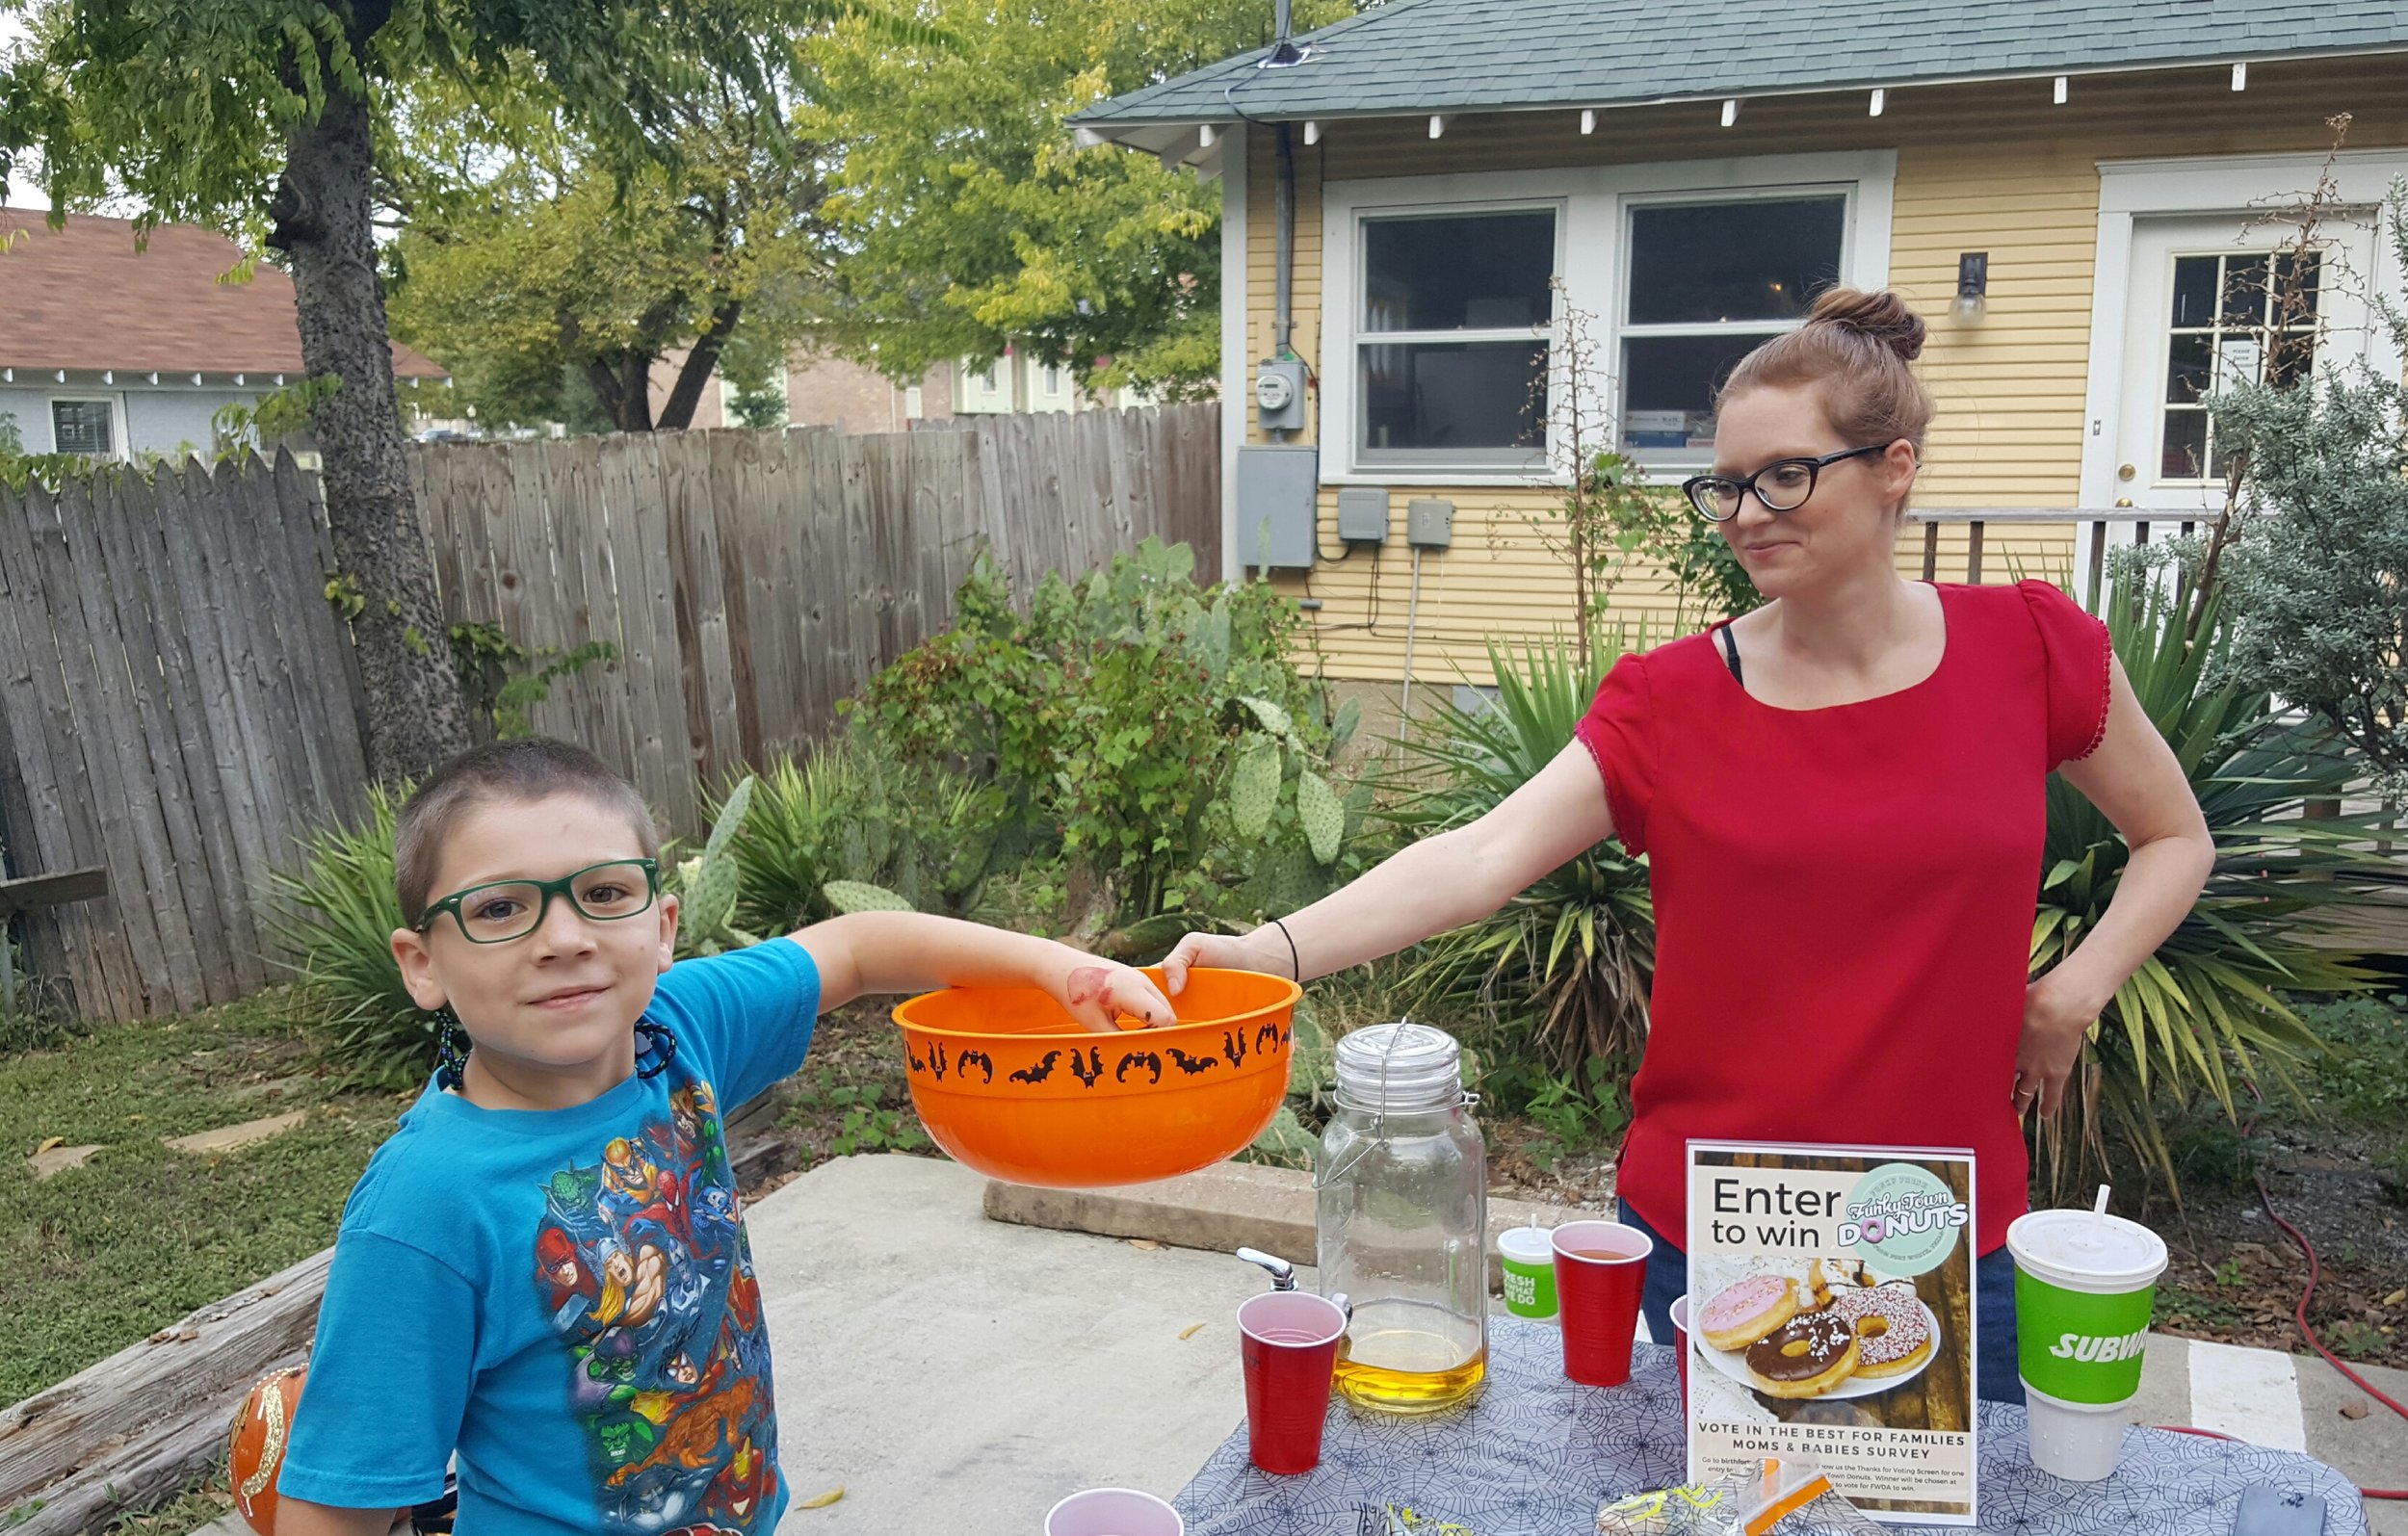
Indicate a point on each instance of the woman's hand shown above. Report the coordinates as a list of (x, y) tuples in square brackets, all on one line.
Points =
[(2056, 1024), (1262, 950), (1100, 993)]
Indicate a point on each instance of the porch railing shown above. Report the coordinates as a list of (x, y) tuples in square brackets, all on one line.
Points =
[(2097, 520)]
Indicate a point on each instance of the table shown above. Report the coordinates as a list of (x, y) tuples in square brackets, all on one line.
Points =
[(1535, 1455)]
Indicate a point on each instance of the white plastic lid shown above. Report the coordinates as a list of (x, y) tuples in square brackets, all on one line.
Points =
[(1531, 1245), (2082, 1250), (1400, 1067)]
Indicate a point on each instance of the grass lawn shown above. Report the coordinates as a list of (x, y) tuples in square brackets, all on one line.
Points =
[(102, 1256)]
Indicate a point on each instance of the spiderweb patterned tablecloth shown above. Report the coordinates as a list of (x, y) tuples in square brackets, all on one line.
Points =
[(1535, 1455)]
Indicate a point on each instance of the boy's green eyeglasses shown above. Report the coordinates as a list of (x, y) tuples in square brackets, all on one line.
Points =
[(511, 909)]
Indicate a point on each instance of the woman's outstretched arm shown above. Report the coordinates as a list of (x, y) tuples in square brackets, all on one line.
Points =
[(1438, 883)]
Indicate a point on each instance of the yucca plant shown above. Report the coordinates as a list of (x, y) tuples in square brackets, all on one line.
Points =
[(335, 915), (847, 813), (2208, 1007), (1576, 951)]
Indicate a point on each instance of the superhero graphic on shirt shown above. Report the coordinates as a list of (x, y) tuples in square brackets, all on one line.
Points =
[(642, 1266)]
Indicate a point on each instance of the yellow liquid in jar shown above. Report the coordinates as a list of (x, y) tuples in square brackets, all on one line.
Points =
[(1408, 1371)]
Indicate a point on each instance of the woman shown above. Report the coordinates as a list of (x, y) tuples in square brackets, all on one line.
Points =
[(1842, 796)]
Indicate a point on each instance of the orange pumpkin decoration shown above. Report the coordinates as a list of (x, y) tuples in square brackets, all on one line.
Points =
[(263, 1426)]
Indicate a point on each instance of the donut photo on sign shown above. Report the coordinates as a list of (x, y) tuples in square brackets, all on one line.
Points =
[(1831, 1316)]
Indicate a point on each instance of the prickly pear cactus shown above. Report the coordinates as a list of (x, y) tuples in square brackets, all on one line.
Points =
[(707, 885), (1348, 721), (1284, 1143), (709, 901), (1274, 718), (858, 896), (1324, 819), (1254, 785)]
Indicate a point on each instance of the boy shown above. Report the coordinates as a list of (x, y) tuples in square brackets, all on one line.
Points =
[(544, 1270)]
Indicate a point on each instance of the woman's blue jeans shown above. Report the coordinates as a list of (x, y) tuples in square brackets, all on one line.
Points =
[(1994, 1377)]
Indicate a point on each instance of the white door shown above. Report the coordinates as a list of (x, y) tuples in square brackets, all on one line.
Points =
[(2211, 300)]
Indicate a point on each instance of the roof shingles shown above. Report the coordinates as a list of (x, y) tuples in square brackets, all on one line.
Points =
[(1475, 55), (86, 297)]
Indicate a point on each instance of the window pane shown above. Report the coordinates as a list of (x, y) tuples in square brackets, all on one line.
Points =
[(2244, 291), (2185, 444), (1466, 271), (2295, 358), (1762, 259), (2296, 278), (1668, 387), (80, 425), (2194, 291), (1454, 395), (2187, 369)]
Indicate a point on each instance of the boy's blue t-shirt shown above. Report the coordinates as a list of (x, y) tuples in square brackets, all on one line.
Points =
[(567, 1296)]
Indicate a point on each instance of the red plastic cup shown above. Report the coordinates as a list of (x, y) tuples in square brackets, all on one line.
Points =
[(1291, 1352), (1601, 1267), (1680, 1344)]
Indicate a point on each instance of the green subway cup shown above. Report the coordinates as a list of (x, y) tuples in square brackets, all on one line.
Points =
[(2085, 1287), (1527, 1259)]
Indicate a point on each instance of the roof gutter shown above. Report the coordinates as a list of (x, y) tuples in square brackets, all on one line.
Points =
[(1092, 128)]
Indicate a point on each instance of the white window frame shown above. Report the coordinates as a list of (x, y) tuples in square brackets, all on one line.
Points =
[(1592, 259), (120, 450), (1494, 460)]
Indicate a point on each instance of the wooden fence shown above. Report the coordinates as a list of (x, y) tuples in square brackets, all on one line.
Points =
[(180, 704), (751, 579)]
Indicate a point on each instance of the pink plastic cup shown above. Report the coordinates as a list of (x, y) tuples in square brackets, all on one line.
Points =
[(1680, 1344), (1289, 1343), (1113, 1512), (1601, 1267)]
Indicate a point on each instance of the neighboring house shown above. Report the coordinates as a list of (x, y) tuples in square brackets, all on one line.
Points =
[(115, 350), (827, 391), (1016, 382), (2090, 177)]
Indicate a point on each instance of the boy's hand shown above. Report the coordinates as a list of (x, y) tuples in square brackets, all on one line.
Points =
[(1099, 993)]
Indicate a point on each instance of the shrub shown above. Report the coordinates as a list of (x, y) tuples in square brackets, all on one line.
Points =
[(335, 915), (2208, 1005), (1114, 724), (848, 811), (1563, 970)]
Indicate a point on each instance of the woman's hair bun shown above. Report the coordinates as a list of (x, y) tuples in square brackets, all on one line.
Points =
[(1882, 317)]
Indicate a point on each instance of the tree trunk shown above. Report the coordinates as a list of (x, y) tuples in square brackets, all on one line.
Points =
[(623, 382), (414, 714), (677, 413)]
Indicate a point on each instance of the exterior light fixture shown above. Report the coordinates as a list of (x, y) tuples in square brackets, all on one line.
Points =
[(1972, 284)]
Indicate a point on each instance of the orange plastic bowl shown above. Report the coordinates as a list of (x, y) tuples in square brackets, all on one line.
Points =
[(1010, 1085)]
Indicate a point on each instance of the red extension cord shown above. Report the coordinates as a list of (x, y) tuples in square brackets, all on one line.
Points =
[(2299, 1314)]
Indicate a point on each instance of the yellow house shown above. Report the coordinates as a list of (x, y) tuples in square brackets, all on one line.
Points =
[(2070, 192)]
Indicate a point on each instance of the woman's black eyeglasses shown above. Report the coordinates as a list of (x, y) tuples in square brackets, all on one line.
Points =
[(1782, 485)]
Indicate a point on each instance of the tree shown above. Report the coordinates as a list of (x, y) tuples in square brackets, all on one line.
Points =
[(969, 222), (557, 266), (278, 118), (2315, 578)]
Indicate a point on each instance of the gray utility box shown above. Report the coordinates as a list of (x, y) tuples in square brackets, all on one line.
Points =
[(1429, 523), (1363, 514), (1278, 487)]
